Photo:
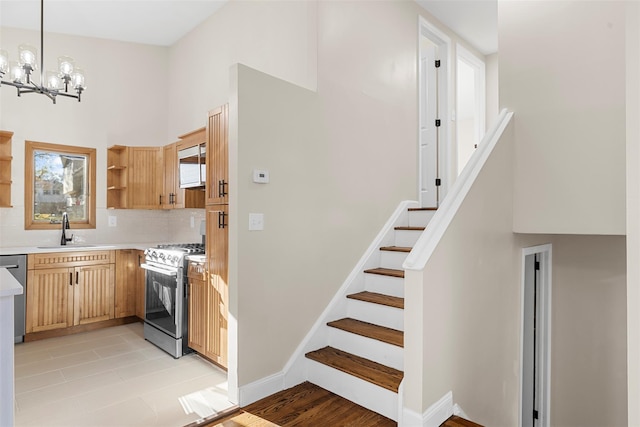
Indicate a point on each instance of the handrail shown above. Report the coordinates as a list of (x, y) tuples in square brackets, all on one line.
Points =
[(426, 244)]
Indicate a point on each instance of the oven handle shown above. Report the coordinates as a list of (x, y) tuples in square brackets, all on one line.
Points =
[(159, 270)]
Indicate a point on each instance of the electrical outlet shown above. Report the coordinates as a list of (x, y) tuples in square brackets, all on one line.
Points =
[(256, 221), (113, 221)]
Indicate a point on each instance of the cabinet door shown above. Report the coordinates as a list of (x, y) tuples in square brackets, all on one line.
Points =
[(49, 299), (145, 177), (197, 315), (172, 195), (93, 294), (140, 284), (217, 287), (126, 277), (217, 156)]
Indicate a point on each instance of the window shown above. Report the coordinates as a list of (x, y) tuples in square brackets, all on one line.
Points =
[(59, 178)]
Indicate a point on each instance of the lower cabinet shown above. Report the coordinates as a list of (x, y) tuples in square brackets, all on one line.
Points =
[(129, 284), (207, 314), (69, 289)]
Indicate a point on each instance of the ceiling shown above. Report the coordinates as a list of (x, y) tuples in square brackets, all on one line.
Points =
[(163, 22)]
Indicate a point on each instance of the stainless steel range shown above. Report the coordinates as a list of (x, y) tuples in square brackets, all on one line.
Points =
[(166, 317)]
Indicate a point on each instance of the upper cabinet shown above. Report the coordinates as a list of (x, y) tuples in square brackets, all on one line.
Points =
[(145, 177), (5, 169), (117, 164), (217, 156), (149, 177)]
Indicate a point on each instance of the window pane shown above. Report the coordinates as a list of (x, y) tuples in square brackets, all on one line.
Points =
[(60, 185)]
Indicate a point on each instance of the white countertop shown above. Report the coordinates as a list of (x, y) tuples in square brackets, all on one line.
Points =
[(9, 286), (19, 250)]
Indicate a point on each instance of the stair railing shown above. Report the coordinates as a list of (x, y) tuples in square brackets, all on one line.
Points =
[(426, 244)]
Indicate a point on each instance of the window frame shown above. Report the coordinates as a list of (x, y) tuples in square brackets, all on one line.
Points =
[(29, 183)]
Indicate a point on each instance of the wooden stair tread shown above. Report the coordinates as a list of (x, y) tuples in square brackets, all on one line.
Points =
[(422, 209), (376, 298), (369, 330), (365, 369), (455, 421), (404, 228), (386, 272), (396, 248)]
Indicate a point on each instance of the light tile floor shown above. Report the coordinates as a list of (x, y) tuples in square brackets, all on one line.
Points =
[(112, 377)]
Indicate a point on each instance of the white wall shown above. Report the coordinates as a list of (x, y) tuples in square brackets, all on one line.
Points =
[(562, 72), (122, 105), (633, 211), (276, 37)]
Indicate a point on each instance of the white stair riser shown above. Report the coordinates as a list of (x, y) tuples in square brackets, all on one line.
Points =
[(377, 314), (392, 259), (386, 285), (378, 351), (377, 399), (420, 218), (407, 237)]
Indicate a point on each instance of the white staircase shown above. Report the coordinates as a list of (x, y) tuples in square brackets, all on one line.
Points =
[(355, 349)]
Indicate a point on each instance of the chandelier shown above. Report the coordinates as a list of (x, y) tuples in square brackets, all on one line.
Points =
[(68, 81)]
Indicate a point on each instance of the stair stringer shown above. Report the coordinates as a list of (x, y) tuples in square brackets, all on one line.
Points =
[(296, 369)]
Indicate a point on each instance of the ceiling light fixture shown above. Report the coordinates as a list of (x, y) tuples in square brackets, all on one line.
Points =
[(64, 82)]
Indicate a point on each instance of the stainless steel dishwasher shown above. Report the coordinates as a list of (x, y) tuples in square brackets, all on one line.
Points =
[(17, 266)]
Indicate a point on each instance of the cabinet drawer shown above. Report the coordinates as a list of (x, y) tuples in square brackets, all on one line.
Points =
[(69, 259)]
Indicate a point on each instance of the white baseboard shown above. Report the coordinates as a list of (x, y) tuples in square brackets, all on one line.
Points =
[(457, 411), (435, 415), (260, 389)]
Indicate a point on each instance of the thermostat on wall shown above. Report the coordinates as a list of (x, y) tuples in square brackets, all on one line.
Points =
[(260, 176)]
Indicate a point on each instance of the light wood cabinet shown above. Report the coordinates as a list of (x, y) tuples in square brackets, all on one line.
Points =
[(145, 177), (217, 283), (117, 164), (140, 285), (196, 276), (5, 168), (217, 156), (68, 289), (126, 282), (172, 196)]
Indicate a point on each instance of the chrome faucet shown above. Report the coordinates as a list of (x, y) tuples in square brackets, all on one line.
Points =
[(65, 226)]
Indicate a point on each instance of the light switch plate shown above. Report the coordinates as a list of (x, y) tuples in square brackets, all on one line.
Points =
[(256, 221), (261, 176)]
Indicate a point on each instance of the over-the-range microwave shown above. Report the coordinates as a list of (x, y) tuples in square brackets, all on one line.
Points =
[(192, 166)]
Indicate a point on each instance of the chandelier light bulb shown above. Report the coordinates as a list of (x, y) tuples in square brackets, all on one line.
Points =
[(53, 80), (17, 73), (4, 61), (65, 65), (77, 79), (28, 55)]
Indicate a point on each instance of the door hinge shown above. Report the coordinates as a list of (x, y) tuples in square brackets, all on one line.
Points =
[(535, 414), (438, 182), (437, 63), (537, 265), (438, 123)]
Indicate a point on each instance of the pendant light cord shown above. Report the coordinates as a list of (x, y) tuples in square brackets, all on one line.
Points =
[(42, 43)]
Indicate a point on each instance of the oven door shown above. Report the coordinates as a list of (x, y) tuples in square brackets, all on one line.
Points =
[(163, 299)]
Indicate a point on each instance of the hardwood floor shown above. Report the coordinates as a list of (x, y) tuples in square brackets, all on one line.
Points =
[(455, 421), (303, 405)]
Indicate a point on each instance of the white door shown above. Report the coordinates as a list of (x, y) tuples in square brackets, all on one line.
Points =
[(429, 132)]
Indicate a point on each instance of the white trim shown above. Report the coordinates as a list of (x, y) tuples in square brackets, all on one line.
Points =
[(458, 412), (438, 37), (294, 368), (428, 241), (435, 415), (260, 389), (545, 252)]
